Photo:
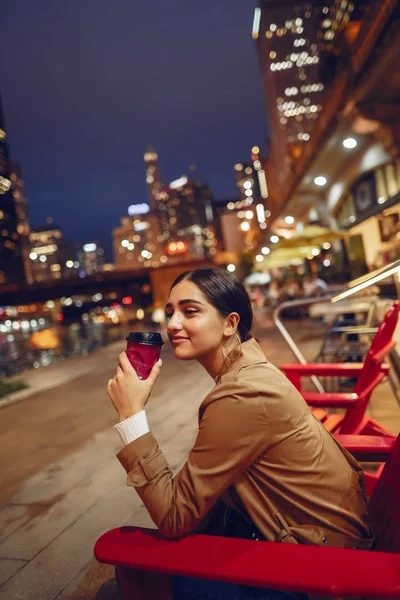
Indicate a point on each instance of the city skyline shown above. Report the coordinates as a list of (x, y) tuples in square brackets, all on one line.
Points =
[(83, 131)]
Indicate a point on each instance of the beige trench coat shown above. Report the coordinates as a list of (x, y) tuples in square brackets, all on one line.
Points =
[(260, 449)]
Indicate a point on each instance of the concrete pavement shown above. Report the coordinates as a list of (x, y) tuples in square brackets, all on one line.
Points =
[(61, 485)]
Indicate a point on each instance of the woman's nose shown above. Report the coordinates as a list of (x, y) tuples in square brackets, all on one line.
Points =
[(175, 323)]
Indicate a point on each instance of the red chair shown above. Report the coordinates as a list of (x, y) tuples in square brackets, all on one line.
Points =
[(368, 448), (370, 374), (296, 568)]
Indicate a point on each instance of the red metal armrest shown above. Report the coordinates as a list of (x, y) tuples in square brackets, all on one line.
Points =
[(367, 448), (297, 568), (340, 399), (324, 369), (331, 399), (329, 369)]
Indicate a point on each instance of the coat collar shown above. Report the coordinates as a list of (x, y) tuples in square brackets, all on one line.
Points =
[(250, 352)]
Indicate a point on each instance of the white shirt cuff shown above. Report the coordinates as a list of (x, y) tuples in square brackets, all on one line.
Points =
[(131, 429)]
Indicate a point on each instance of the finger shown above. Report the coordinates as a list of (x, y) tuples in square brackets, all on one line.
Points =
[(124, 363), (119, 371), (154, 373)]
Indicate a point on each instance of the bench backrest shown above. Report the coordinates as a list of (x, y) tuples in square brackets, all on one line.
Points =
[(384, 505), (371, 372)]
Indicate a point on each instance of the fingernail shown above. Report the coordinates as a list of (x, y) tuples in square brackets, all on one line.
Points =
[(159, 362)]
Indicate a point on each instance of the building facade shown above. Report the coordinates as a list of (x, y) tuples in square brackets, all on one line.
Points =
[(153, 178), (187, 219), (23, 229), (296, 43), (251, 208), (11, 259), (49, 253), (137, 242), (91, 258), (349, 172)]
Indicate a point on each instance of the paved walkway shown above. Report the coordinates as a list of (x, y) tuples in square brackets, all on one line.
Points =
[(61, 486)]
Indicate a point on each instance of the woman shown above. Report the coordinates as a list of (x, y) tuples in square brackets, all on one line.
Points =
[(262, 466)]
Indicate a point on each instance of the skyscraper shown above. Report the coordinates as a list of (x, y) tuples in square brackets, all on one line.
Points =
[(18, 190), (137, 241), (289, 55), (152, 177), (294, 42), (187, 218), (11, 263), (49, 252), (91, 258)]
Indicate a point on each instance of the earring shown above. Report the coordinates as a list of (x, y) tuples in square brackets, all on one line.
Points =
[(240, 345)]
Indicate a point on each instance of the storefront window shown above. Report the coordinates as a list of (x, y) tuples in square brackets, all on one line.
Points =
[(370, 195), (391, 178), (346, 213)]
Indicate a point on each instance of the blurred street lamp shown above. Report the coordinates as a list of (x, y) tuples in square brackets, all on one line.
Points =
[(349, 143)]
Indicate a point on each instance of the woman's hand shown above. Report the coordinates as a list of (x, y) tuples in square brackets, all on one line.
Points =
[(127, 392)]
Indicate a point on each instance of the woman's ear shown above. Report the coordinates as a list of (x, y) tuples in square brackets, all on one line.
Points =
[(231, 323)]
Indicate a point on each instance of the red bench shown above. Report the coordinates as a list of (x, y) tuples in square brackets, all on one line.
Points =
[(369, 374), (298, 568)]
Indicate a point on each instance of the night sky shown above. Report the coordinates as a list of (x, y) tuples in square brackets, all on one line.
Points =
[(88, 85)]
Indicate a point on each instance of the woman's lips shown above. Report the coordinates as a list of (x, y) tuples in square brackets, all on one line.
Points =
[(179, 340)]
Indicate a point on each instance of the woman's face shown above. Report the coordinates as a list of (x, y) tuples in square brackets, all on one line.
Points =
[(194, 326)]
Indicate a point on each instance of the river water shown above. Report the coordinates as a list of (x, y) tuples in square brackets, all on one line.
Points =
[(21, 350)]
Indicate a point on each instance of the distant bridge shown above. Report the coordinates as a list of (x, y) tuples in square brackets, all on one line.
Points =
[(146, 285)]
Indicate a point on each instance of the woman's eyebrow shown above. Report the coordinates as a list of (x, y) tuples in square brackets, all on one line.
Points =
[(186, 301)]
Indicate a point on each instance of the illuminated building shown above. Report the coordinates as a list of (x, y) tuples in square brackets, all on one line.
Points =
[(250, 208), (153, 180), (49, 253), (294, 42), (137, 242), (18, 190), (349, 175), (291, 39), (186, 215), (91, 258), (11, 260)]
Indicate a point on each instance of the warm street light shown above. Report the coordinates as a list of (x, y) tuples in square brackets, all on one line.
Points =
[(349, 143), (231, 268)]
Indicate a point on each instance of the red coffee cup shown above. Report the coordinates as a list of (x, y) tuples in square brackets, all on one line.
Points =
[(143, 350)]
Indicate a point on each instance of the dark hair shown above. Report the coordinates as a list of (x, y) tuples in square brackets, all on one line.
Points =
[(225, 292)]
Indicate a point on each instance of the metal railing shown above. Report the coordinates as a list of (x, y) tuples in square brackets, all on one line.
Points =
[(276, 315)]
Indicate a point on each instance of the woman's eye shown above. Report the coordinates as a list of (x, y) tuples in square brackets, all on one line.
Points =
[(190, 311)]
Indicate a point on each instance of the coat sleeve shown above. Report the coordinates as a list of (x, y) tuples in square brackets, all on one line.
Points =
[(233, 431)]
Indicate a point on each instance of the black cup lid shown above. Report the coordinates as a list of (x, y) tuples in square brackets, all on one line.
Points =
[(150, 338)]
